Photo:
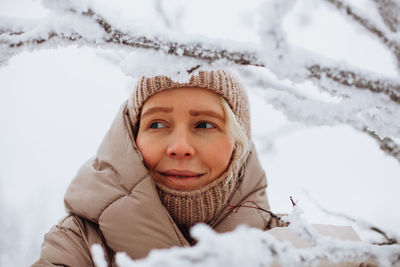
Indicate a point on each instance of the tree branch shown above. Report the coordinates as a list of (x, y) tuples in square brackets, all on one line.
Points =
[(209, 53), (192, 50), (199, 51), (369, 26), (389, 11), (357, 80), (363, 224), (352, 111), (196, 50), (386, 144)]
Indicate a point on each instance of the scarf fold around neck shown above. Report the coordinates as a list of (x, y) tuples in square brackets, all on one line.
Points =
[(188, 208)]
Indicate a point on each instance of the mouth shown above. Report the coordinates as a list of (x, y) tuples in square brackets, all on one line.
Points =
[(181, 174)]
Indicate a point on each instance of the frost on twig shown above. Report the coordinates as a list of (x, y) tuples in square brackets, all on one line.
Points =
[(389, 11), (389, 15), (386, 144), (359, 109), (350, 78), (369, 108), (111, 35)]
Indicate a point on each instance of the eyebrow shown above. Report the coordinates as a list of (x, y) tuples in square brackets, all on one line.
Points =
[(207, 113), (191, 112), (157, 109)]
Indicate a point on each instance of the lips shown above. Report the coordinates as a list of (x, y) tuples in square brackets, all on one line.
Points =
[(181, 174)]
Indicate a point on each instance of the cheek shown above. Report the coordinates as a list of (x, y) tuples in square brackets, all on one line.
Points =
[(150, 150), (218, 153)]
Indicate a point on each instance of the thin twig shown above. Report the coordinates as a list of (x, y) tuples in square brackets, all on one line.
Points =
[(389, 11), (388, 145), (291, 200), (356, 80), (235, 208), (389, 240), (369, 26)]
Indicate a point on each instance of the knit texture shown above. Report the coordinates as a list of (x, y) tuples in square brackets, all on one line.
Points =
[(201, 205), (221, 82)]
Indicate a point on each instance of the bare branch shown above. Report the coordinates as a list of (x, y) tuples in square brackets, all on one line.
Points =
[(389, 11), (369, 26), (357, 80), (386, 144), (363, 224)]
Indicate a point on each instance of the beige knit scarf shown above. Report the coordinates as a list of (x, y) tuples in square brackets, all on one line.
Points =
[(200, 205)]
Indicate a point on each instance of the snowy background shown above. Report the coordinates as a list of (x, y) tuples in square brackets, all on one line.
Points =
[(57, 104)]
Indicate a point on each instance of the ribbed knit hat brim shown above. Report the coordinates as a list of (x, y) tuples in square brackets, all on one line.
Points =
[(221, 82)]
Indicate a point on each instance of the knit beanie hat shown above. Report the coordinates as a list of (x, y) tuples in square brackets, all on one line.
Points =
[(221, 82), (200, 205)]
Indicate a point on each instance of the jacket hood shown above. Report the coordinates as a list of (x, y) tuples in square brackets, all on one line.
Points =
[(115, 190)]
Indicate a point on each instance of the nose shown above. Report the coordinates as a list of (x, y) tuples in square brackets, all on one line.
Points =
[(180, 146)]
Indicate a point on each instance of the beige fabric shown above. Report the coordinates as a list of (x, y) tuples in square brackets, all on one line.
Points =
[(336, 232), (113, 201), (221, 82), (190, 207)]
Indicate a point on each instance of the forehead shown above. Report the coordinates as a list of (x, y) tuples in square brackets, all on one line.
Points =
[(196, 98)]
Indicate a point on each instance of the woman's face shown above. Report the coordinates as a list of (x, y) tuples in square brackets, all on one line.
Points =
[(183, 138)]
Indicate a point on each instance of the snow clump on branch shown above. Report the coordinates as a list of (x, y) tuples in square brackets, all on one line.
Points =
[(253, 247)]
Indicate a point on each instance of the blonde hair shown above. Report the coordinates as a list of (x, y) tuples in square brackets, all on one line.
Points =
[(241, 141)]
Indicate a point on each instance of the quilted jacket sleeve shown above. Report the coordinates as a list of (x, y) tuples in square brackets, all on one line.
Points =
[(68, 244)]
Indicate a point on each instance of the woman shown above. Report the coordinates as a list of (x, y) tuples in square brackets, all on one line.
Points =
[(176, 154)]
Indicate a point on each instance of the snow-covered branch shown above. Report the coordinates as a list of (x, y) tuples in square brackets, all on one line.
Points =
[(102, 33), (110, 35), (357, 80), (388, 16), (353, 107), (389, 11), (190, 49), (253, 247), (386, 144)]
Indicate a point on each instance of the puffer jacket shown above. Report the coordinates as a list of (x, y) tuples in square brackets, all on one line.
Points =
[(113, 202)]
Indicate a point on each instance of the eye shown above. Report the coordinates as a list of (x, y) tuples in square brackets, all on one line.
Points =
[(156, 125), (205, 125)]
